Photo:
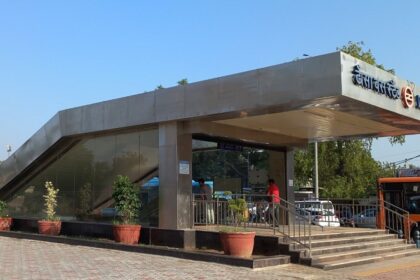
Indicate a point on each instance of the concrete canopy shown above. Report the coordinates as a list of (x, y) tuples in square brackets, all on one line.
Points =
[(283, 105)]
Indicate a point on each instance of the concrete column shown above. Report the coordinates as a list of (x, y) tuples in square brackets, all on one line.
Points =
[(290, 176), (175, 146)]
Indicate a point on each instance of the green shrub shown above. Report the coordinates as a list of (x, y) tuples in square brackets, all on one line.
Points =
[(3, 208), (238, 208), (126, 199), (50, 201), (85, 201)]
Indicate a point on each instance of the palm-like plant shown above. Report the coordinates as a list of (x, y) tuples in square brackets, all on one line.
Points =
[(50, 201)]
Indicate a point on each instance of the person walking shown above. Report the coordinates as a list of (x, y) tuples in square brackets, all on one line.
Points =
[(273, 193), (207, 196)]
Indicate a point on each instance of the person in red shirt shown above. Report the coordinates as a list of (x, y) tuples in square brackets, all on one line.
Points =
[(273, 193)]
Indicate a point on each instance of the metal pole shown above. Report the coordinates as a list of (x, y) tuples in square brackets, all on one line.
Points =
[(247, 170), (316, 171)]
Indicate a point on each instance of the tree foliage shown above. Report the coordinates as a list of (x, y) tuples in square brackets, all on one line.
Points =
[(3, 207), (183, 82), (50, 201), (346, 168), (126, 199)]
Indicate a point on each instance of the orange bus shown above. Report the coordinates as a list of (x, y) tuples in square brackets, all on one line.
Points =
[(399, 203)]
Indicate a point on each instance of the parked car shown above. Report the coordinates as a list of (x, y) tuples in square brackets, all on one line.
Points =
[(316, 205), (321, 211), (345, 215), (366, 218)]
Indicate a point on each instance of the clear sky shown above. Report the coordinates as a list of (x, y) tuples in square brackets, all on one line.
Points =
[(60, 54)]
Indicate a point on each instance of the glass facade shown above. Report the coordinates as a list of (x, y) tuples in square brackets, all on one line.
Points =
[(85, 174), (236, 168)]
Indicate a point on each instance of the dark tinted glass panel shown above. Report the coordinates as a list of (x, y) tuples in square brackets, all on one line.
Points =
[(85, 174)]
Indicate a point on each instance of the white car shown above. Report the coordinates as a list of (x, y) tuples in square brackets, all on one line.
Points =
[(321, 211), (326, 219)]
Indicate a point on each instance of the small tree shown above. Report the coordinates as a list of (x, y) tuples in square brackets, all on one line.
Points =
[(50, 201), (3, 208), (85, 199), (238, 207), (183, 82), (126, 199)]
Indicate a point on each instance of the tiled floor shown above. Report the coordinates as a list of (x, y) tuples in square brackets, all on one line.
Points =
[(27, 259)]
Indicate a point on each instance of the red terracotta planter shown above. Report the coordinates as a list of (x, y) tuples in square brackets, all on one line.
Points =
[(5, 223), (238, 244), (49, 227), (127, 234)]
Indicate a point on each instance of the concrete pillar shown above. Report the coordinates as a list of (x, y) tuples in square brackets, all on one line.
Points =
[(290, 175), (175, 150)]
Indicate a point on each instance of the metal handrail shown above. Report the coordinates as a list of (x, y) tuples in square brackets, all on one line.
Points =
[(397, 219), (296, 224), (403, 218), (396, 207), (305, 240), (308, 213)]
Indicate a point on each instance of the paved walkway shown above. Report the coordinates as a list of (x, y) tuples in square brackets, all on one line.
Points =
[(407, 268), (28, 259)]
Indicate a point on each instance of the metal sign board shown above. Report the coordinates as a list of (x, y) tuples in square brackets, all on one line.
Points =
[(229, 147), (184, 167)]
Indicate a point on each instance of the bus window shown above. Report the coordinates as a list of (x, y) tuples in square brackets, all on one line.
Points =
[(413, 203)]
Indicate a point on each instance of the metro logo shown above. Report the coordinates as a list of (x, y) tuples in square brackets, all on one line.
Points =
[(407, 97)]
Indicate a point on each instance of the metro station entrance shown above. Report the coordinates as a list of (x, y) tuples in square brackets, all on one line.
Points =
[(237, 168)]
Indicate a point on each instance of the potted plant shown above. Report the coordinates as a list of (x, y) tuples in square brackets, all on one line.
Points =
[(237, 242), (52, 224), (85, 202), (5, 221), (127, 204)]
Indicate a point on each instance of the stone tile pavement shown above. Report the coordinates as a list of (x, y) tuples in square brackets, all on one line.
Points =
[(407, 268), (29, 259)]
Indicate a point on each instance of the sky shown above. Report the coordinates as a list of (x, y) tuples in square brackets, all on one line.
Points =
[(61, 54)]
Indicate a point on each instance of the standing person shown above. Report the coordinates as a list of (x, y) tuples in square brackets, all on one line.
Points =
[(273, 193), (207, 196)]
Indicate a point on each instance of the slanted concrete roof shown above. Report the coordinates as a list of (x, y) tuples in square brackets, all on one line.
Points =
[(286, 104)]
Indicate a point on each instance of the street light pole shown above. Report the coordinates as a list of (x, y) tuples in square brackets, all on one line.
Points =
[(316, 171)]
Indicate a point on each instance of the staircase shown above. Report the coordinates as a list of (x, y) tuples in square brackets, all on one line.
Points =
[(343, 249)]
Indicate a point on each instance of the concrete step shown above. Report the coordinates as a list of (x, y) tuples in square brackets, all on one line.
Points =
[(368, 259), (360, 253), (334, 235), (356, 246), (348, 240)]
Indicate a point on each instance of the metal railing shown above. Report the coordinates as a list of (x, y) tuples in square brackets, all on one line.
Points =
[(353, 212), (365, 213), (293, 223), (397, 220), (299, 227)]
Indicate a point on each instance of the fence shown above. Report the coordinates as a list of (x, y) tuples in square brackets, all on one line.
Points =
[(373, 214), (293, 223)]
